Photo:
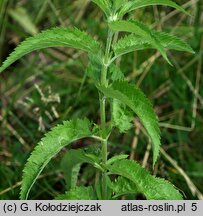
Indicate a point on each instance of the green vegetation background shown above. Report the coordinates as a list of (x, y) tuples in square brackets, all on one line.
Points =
[(47, 87)]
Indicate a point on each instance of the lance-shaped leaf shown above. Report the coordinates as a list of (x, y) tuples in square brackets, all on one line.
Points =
[(135, 99), (105, 6), (78, 193), (134, 42), (138, 28), (59, 137), (66, 37), (135, 4), (153, 188)]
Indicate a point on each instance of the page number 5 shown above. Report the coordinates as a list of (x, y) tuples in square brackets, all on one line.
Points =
[(194, 207)]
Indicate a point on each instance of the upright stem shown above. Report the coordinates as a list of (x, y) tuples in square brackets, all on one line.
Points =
[(104, 82)]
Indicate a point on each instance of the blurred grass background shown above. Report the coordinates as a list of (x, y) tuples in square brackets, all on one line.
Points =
[(44, 88)]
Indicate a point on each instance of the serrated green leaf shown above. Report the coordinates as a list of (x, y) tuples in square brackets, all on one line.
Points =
[(135, 4), (105, 6), (134, 42), (135, 99), (59, 137), (78, 193), (116, 158), (139, 29), (66, 37), (153, 188), (70, 165), (122, 117), (123, 186), (172, 42)]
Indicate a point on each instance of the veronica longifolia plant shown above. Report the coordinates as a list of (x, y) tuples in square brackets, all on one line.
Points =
[(113, 89)]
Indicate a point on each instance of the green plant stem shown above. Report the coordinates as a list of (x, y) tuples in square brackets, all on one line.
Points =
[(104, 82), (104, 143)]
